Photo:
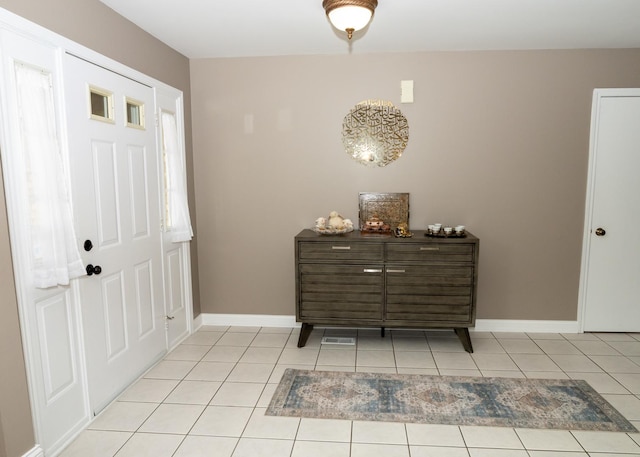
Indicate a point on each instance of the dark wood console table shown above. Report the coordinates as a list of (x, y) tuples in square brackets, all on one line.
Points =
[(368, 280)]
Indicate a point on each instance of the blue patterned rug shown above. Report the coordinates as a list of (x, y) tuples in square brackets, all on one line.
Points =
[(506, 402)]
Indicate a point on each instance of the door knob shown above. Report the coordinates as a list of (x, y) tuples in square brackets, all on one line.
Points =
[(88, 245), (600, 231), (91, 270)]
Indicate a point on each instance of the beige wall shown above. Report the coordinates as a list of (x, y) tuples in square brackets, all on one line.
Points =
[(94, 25), (499, 142), (16, 430)]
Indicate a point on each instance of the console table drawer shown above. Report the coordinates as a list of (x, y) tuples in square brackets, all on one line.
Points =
[(341, 251), (432, 252)]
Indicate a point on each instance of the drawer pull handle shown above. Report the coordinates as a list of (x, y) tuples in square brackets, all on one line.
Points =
[(424, 248), (395, 271), (344, 248), (372, 270)]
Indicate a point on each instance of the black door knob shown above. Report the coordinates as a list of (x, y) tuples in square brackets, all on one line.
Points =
[(91, 270), (88, 245), (600, 231)]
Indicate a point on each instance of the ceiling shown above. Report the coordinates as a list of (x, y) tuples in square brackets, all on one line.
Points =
[(234, 28)]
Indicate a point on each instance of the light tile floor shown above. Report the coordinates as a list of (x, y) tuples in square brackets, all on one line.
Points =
[(208, 396)]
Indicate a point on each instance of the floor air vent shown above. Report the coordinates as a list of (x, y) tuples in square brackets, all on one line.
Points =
[(338, 340)]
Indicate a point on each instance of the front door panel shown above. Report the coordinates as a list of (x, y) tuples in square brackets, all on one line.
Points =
[(115, 174)]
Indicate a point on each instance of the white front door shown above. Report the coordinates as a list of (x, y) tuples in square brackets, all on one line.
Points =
[(611, 264), (115, 191)]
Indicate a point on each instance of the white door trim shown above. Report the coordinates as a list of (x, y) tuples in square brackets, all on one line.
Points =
[(598, 94), (36, 451)]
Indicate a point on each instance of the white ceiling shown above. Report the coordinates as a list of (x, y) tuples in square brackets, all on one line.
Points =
[(232, 28)]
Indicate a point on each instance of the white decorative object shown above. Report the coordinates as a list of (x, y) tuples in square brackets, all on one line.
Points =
[(334, 225), (335, 220)]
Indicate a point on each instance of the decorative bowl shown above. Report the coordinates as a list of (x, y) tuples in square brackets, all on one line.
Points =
[(328, 230)]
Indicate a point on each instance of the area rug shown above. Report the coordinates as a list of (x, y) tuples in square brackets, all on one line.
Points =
[(504, 402)]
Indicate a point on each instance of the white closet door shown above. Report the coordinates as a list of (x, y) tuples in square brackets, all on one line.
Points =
[(611, 269)]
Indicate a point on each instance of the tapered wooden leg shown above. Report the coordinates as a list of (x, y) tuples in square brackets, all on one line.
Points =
[(463, 334), (305, 331)]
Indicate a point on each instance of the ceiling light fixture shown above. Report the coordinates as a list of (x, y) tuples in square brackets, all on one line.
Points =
[(349, 15)]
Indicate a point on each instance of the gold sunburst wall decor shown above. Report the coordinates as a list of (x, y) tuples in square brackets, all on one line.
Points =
[(375, 133)]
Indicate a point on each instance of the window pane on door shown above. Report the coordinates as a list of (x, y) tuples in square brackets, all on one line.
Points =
[(101, 104), (135, 114)]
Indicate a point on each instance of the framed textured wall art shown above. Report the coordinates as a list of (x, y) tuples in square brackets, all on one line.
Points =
[(391, 208)]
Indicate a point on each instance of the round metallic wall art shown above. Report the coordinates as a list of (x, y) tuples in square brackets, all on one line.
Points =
[(375, 133)]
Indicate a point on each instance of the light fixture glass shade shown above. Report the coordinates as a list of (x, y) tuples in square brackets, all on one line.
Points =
[(350, 17)]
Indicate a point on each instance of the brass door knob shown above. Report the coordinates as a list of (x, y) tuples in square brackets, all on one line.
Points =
[(600, 231)]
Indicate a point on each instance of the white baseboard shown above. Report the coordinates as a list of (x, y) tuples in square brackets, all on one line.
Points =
[(482, 325), (249, 320), (197, 322), (528, 326), (35, 452)]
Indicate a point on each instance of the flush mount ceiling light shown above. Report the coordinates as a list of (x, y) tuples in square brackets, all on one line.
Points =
[(349, 15)]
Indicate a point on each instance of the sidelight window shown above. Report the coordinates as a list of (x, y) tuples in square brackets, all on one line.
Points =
[(178, 221)]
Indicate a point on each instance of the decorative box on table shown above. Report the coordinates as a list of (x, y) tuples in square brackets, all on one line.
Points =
[(392, 209)]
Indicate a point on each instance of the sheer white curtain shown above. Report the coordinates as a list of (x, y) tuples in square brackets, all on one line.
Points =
[(55, 256), (178, 220)]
